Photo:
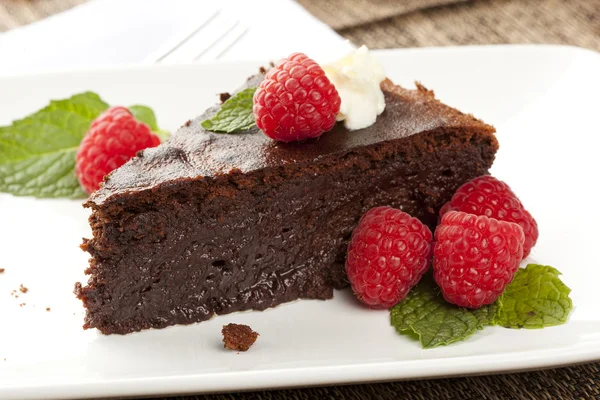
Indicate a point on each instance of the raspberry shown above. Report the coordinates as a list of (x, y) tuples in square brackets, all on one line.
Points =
[(296, 101), (475, 257), (114, 137), (388, 254), (493, 198)]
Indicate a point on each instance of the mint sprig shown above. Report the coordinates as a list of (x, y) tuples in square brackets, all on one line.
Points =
[(235, 114), (536, 298), (37, 153)]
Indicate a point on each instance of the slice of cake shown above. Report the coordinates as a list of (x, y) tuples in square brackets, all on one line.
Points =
[(212, 223)]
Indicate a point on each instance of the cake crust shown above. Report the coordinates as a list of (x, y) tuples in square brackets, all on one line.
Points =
[(194, 153)]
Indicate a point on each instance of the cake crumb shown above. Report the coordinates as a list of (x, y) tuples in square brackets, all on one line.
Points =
[(2, 270), (22, 304), (23, 289), (238, 337), (48, 309), (188, 122), (262, 70), (224, 97)]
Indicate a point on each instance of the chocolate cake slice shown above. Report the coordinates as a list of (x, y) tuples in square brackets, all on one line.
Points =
[(212, 223)]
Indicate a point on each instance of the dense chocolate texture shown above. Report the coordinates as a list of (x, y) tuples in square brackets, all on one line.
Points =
[(238, 337), (213, 223)]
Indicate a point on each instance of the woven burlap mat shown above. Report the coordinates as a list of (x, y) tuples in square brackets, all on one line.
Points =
[(415, 23)]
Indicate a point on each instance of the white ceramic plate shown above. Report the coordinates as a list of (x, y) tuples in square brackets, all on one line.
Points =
[(543, 101)]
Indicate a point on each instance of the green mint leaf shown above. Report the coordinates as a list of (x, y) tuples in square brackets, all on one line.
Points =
[(146, 115), (485, 315), (424, 314), (534, 299), (235, 114), (37, 153)]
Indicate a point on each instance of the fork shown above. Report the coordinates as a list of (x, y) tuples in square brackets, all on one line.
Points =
[(208, 41)]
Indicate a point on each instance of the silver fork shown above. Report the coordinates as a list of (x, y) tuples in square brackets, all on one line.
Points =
[(208, 41)]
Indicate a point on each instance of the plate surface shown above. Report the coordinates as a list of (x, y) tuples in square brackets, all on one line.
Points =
[(542, 99)]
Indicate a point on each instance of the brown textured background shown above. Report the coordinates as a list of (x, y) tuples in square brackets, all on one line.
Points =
[(416, 23)]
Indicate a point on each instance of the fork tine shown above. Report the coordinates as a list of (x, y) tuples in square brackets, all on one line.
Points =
[(163, 53), (232, 43), (216, 41)]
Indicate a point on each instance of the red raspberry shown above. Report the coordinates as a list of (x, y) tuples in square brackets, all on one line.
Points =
[(114, 137), (388, 254), (493, 198), (296, 101), (475, 257)]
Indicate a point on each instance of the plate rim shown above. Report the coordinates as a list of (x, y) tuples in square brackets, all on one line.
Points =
[(270, 379)]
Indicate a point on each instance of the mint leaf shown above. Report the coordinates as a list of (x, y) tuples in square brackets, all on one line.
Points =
[(235, 114), (425, 314), (534, 299), (485, 315), (146, 115), (37, 153)]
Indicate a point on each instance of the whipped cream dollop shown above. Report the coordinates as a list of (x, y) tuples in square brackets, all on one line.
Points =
[(357, 78)]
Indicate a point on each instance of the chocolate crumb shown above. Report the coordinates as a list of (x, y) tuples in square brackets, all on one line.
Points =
[(262, 70), (47, 308), (188, 122), (2, 270), (22, 304), (224, 97), (23, 289), (238, 337), (272, 64)]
